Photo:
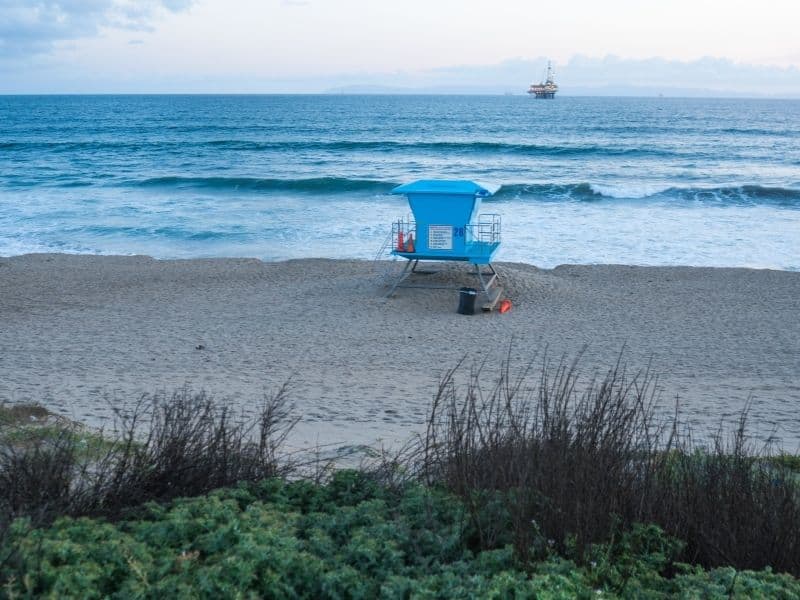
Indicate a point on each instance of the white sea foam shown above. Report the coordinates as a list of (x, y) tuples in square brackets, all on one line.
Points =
[(15, 247), (541, 233), (628, 190)]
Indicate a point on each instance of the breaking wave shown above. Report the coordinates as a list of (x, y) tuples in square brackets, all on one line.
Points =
[(543, 192), (316, 185), (723, 195), (386, 146)]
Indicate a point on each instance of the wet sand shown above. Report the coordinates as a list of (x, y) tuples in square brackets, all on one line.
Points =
[(83, 333)]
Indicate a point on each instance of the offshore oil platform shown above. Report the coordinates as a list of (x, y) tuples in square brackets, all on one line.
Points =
[(546, 89)]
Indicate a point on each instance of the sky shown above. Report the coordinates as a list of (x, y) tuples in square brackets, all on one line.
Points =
[(708, 47)]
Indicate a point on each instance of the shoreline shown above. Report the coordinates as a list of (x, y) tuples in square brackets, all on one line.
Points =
[(82, 333)]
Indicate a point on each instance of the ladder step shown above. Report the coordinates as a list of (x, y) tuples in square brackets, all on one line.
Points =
[(494, 298)]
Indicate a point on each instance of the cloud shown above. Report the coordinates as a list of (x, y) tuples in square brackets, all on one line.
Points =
[(29, 27), (710, 75)]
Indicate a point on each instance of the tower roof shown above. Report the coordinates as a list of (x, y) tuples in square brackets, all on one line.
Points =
[(447, 186)]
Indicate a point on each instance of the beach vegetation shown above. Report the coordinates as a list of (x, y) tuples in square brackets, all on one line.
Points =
[(539, 486), (30, 424), (20, 414), (353, 537), (183, 444), (785, 460), (580, 464)]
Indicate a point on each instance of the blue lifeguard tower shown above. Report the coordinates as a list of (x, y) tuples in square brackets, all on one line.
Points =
[(446, 226)]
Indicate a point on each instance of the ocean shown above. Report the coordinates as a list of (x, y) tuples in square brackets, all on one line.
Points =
[(646, 181)]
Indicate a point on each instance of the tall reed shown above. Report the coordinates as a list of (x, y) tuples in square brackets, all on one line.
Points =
[(184, 444), (545, 461)]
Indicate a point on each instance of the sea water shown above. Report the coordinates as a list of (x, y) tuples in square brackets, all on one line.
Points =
[(651, 181)]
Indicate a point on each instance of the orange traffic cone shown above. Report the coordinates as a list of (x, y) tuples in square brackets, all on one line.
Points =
[(410, 245), (400, 246), (505, 306)]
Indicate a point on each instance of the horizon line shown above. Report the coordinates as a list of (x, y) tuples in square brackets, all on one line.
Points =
[(660, 96)]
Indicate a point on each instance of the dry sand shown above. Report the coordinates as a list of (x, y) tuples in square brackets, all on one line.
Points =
[(81, 333)]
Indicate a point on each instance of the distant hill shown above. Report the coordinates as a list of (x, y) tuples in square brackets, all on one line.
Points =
[(584, 76), (609, 90)]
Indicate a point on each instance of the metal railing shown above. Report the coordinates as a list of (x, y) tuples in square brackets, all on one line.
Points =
[(485, 233), (481, 237), (402, 228)]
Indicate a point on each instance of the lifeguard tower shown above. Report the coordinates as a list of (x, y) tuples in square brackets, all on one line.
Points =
[(446, 226)]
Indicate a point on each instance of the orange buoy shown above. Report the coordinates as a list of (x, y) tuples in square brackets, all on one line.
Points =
[(505, 306), (410, 245), (400, 246)]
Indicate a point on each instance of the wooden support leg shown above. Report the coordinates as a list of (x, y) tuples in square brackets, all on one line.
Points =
[(406, 272), (485, 285)]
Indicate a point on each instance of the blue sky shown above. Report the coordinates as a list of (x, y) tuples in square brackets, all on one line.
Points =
[(708, 47)]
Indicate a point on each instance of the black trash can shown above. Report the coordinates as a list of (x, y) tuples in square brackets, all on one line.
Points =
[(466, 300)]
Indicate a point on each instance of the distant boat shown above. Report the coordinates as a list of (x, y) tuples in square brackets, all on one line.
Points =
[(548, 88)]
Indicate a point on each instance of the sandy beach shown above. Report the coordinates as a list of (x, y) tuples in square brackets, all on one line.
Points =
[(83, 333)]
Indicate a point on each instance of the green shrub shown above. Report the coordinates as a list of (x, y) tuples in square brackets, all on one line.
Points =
[(351, 538)]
